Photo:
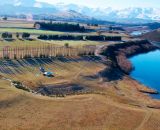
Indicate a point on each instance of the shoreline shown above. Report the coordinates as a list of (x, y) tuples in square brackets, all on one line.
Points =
[(118, 64)]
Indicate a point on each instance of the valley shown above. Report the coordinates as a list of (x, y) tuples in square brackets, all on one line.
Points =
[(70, 67)]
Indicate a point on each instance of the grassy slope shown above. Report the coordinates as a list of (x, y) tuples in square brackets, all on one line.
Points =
[(120, 107), (23, 111)]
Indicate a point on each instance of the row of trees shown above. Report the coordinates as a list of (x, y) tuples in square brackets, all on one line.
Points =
[(7, 35), (60, 37), (80, 37), (60, 27)]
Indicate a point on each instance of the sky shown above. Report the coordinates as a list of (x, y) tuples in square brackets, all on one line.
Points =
[(109, 3)]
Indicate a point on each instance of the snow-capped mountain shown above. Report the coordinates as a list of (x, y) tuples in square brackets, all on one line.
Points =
[(40, 10), (109, 14)]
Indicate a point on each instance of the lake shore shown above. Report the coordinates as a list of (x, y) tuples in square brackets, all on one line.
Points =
[(118, 65)]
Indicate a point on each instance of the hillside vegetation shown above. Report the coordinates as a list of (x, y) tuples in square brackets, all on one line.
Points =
[(152, 36)]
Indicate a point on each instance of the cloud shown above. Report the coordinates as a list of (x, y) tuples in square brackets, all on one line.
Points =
[(38, 5)]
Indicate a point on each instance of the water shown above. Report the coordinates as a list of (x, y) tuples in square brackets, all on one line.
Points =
[(147, 70), (138, 33)]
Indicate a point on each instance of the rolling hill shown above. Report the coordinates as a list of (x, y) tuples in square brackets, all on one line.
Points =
[(152, 36)]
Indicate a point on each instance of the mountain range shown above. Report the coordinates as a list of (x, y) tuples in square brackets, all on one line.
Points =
[(128, 15)]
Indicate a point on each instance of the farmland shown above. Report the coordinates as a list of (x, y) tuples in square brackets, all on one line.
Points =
[(78, 97), (32, 31)]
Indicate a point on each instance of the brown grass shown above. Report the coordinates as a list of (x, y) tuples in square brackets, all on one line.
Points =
[(27, 112), (120, 107)]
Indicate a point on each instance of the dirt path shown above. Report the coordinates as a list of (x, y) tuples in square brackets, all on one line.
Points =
[(146, 118), (98, 51)]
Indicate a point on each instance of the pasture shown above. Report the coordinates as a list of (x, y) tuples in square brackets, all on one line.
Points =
[(28, 30), (16, 24), (36, 42), (47, 32)]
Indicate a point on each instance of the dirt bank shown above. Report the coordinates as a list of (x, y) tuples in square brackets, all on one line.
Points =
[(118, 54)]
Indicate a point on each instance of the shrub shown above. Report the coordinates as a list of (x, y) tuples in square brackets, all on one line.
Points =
[(19, 85), (66, 45), (6, 35), (95, 38), (17, 35)]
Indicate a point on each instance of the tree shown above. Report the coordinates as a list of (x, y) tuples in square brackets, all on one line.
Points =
[(25, 35), (66, 45), (6, 35), (99, 33), (10, 35), (17, 35), (5, 18), (60, 26)]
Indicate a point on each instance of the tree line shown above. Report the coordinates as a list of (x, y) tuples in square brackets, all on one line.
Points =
[(7, 35), (60, 26), (80, 37)]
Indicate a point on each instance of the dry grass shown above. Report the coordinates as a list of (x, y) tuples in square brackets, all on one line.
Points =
[(113, 110), (16, 23), (64, 71), (91, 112)]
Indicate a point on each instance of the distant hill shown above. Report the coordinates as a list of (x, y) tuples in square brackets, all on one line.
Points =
[(126, 15), (41, 11), (152, 36)]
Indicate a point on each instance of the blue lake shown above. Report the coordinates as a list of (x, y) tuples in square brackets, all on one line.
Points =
[(147, 70)]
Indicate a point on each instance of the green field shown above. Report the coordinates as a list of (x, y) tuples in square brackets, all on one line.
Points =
[(75, 43), (56, 43), (20, 43), (31, 31)]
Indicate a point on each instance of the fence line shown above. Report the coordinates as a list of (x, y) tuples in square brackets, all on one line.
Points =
[(43, 51)]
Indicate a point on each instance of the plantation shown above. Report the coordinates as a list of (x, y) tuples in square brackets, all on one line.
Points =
[(64, 27), (43, 51)]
